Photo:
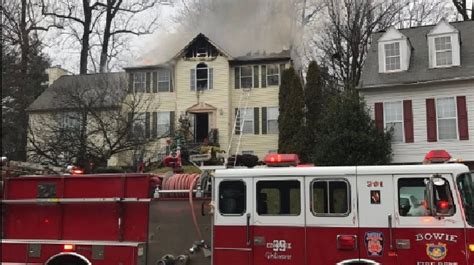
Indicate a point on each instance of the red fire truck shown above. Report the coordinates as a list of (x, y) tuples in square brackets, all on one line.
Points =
[(406, 214)]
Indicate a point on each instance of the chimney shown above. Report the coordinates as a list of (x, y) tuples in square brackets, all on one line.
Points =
[(55, 72)]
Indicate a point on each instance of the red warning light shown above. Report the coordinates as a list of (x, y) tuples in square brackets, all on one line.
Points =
[(437, 156), (281, 160), (443, 205), (69, 247)]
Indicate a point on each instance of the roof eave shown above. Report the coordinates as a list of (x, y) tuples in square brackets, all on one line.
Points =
[(417, 83)]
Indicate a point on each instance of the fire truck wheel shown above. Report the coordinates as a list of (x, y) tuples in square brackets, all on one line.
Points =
[(68, 259)]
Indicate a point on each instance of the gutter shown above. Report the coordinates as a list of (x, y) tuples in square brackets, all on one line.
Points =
[(418, 82)]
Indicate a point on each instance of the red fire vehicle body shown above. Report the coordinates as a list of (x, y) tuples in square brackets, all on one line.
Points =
[(407, 214)]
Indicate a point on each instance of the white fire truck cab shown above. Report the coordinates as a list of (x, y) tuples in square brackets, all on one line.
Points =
[(406, 214)]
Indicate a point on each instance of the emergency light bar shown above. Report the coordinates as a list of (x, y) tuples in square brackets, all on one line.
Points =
[(437, 156), (281, 160)]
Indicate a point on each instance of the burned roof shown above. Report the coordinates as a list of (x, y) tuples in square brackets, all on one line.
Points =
[(419, 71), (104, 90), (262, 57)]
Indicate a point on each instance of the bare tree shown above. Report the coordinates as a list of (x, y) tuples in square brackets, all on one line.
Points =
[(94, 118), (346, 38), (423, 12), (464, 10)]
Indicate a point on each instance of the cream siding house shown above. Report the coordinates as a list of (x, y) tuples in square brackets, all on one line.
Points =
[(210, 86), (420, 82)]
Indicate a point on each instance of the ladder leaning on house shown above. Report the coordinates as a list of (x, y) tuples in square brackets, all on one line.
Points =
[(239, 121)]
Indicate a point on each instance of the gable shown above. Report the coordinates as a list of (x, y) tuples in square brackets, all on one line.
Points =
[(443, 27), (392, 34), (201, 47)]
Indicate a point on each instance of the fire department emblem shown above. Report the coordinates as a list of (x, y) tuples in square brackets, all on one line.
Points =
[(374, 243), (436, 251)]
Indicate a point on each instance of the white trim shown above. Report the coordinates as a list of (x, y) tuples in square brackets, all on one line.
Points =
[(456, 118), (69, 254), (74, 242), (266, 74), (402, 120)]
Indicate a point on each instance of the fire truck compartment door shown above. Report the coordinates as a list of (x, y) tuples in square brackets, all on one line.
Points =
[(279, 220), (331, 219), (376, 206), (233, 220), (419, 237)]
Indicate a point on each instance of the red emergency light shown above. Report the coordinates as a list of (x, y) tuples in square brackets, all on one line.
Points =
[(69, 247), (443, 205), (281, 160), (346, 242), (437, 156), (77, 171)]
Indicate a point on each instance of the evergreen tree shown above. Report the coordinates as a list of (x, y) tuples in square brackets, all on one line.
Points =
[(348, 136), (291, 116)]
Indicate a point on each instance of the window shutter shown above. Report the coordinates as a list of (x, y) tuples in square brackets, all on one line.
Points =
[(237, 77), (431, 120), (255, 76), (171, 81), (282, 68), (211, 78), (193, 79), (264, 76), (154, 125), (155, 82), (130, 83), (462, 118), (172, 123), (408, 121), (237, 122), (256, 121), (147, 125), (264, 120), (379, 116), (148, 82), (130, 124)]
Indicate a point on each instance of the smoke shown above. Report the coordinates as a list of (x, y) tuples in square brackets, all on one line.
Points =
[(238, 27)]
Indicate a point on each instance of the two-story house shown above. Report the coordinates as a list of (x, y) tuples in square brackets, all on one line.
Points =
[(419, 82), (235, 98)]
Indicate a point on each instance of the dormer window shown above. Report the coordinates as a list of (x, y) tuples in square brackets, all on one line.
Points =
[(392, 56), (443, 51)]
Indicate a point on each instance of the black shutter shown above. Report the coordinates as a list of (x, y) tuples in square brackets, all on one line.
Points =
[(154, 125), (255, 76), (282, 68), (237, 122), (171, 81), (148, 82), (192, 79), (264, 120), (147, 125), (237, 77), (211, 78), (256, 121), (264, 76), (172, 123), (130, 124), (130, 83), (155, 82)]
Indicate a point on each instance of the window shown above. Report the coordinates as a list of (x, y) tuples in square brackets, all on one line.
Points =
[(394, 119), (466, 188), (247, 152), (413, 197), (278, 197), (232, 197), (330, 197), (69, 120), (201, 76), (164, 80), (246, 75), (163, 123), (139, 81), (272, 120), (392, 56), (139, 127), (246, 120), (273, 75), (443, 51), (447, 118)]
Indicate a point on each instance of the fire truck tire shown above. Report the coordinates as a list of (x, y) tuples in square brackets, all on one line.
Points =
[(358, 262), (68, 259)]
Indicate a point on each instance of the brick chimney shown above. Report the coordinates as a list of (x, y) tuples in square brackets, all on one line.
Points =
[(55, 72)]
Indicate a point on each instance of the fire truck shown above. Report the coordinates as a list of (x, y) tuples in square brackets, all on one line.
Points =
[(282, 213)]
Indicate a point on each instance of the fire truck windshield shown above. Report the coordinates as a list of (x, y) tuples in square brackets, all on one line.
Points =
[(466, 188)]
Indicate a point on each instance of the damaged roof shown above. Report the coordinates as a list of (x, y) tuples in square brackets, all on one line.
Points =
[(419, 71), (105, 90)]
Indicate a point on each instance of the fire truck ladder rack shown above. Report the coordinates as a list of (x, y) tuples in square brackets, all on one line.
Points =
[(244, 95)]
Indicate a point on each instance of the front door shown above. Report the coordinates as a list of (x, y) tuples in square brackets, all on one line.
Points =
[(279, 221), (232, 222), (420, 237), (201, 128)]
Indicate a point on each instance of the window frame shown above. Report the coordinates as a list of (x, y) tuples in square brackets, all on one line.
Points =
[(69, 120), (136, 82), (402, 121), (158, 123), (139, 118), (447, 118), (196, 69), (243, 121), (267, 74), (327, 180), (158, 81), (301, 205), (267, 121), (435, 63), (245, 197), (247, 76), (385, 57)]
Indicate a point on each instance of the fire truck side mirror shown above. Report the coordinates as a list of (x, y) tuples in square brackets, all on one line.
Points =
[(439, 205)]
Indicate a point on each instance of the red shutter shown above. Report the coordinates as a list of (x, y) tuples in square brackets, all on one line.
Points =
[(431, 120), (408, 121), (462, 118), (379, 116)]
